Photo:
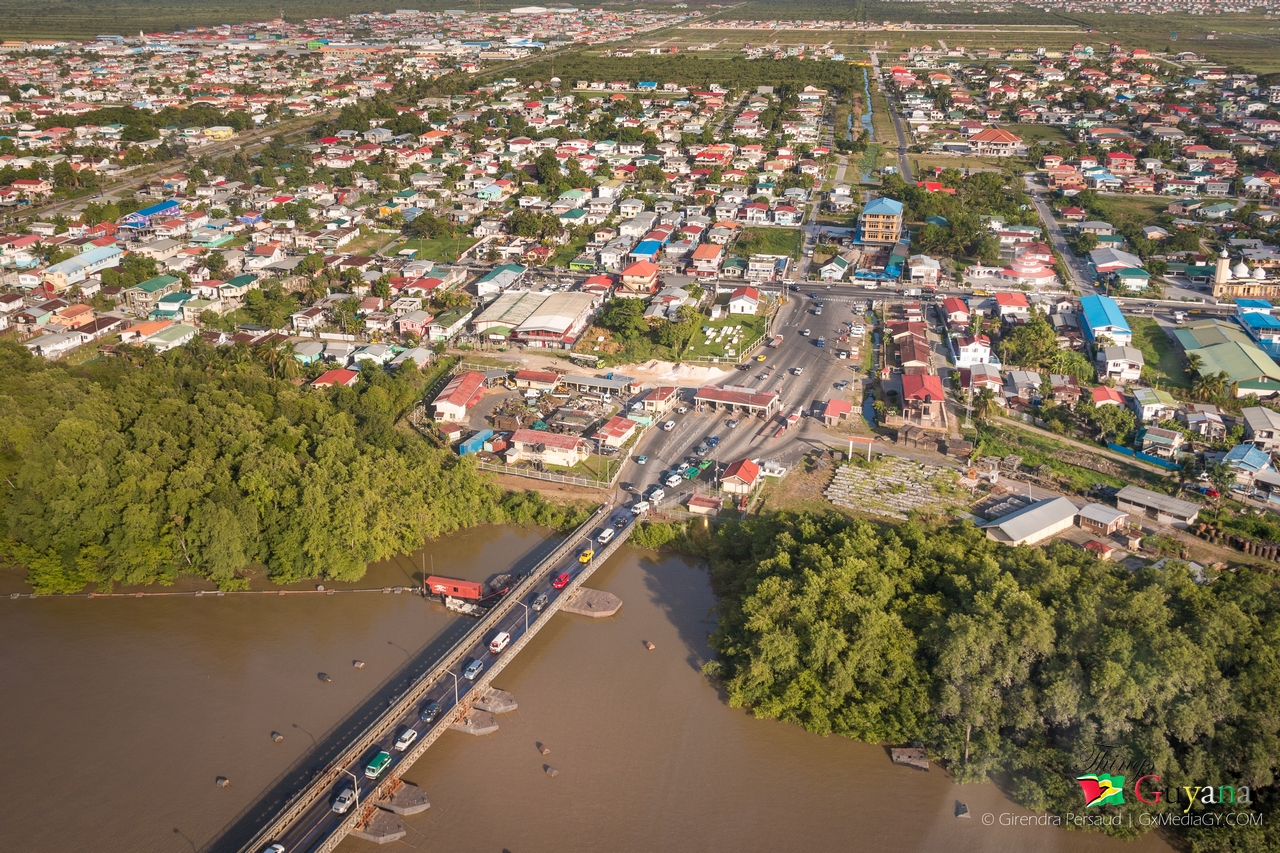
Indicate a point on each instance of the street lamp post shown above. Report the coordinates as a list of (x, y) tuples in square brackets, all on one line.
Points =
[(526, 615), (355, 786), (455, 689)]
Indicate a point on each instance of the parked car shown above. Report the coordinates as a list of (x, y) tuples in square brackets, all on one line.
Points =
[(561, 581), (713, 441), (406, 739), (669, 426), (429, 712), (732, 422), (805, 333), (639, 507), (657, 495), (473, 670), (673, 480), (796, 371), (682, 410)]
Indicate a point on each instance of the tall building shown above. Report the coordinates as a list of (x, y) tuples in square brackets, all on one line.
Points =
[(881, 221)]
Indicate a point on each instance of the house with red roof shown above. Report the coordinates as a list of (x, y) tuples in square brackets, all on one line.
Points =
[(741, 477), (337, 376), (923, 400), (462, 392)]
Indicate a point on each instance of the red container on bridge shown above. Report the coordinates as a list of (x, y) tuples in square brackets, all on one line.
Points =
[(454, 587)]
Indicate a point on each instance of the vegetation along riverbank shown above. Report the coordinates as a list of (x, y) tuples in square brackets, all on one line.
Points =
[(1022, 665)]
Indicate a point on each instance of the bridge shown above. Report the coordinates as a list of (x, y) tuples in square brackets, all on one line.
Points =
[(306, 823)]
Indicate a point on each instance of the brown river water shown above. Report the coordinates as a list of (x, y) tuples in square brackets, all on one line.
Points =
[(119, 714)]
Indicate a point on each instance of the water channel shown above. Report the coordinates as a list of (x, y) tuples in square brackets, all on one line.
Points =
[(119, 714)]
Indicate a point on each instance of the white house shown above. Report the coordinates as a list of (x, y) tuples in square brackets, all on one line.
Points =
[(744, 300), (972, 349), (1123, 364)]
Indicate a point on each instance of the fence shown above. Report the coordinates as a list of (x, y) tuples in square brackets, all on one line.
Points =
[(550, 476), (1143, 457)]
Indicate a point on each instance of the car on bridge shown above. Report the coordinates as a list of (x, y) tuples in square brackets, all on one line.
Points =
[(561, 581), (345, 800), (380, 763), (406, 739), (429, 712), (473, 670), (500, 642), (586, 557), (539, 603)]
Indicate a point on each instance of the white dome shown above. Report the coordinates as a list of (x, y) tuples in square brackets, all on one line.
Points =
[(1259, 274), (1240, 270)]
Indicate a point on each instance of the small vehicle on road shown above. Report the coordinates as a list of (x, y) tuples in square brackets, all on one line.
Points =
[(813, 295), (500, 642), (713, 441), (539, 603), (473, 670), (642, 460), (732, 422), (605, 536), (620, 522), (705, 464), (406, 739), (587, 556), (273, 848), (378, 766), (429, 712), (345, 800), (842, 384), (561, 581), (673, 480), (821, 342), (692, 473), (682, 410), (760, 358), (657, 494), (796, 371), (805, 333), (683, 466), (669, 426), (639, 507)]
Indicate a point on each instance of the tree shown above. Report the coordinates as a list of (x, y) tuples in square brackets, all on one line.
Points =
[(625, 318), (1212, 386), (985, 407), (1030, 345)]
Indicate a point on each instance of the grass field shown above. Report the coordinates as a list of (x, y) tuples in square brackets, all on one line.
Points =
[(1157, 351), (1135, 209), (752, 327), (444, 250), (770, 241), (1046, 133), (1037, 450), (881, 124)]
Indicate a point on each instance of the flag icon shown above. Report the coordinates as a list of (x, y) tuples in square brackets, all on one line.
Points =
[(1101, 789)]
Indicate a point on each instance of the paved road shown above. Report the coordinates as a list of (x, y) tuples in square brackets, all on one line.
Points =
[(903, 166), (754, 438), (309, 831), (1078, 268)]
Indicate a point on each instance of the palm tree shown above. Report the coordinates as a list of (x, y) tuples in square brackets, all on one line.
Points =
[(1210, 386), (984, 405), (1194, 363), (270, 356)]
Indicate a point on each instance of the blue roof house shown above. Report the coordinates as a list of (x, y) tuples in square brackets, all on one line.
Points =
[(1102, 319)]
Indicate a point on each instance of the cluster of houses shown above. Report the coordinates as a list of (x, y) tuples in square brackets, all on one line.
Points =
[(293, 69)]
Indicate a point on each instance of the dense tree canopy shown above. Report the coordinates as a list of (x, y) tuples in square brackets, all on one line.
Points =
[(1016, 662), (135, 470)]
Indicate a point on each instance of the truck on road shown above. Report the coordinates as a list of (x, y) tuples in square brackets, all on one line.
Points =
[(775, 342)]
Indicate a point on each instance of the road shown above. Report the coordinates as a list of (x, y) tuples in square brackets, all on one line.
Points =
[(754, 438), (317, 824), (1078, 268), (903, 166)]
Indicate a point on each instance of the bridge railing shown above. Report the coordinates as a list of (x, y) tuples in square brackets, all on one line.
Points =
[(319, 787)]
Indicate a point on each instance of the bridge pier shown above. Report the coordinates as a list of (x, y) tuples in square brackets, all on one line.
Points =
[(496, 702), (381, 828), (476, 722), (407, 799), (592, 602)]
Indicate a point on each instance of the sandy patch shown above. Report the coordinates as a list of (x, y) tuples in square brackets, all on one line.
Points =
[(654, 372)]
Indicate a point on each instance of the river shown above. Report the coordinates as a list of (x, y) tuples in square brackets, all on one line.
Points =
[(119, 714)]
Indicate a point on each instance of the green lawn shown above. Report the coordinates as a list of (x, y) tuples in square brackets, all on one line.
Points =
[(770, 241), (1158, 352), (1033, 133), (1136, 209), (1037, 450), (444, 250), (753, 326)]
